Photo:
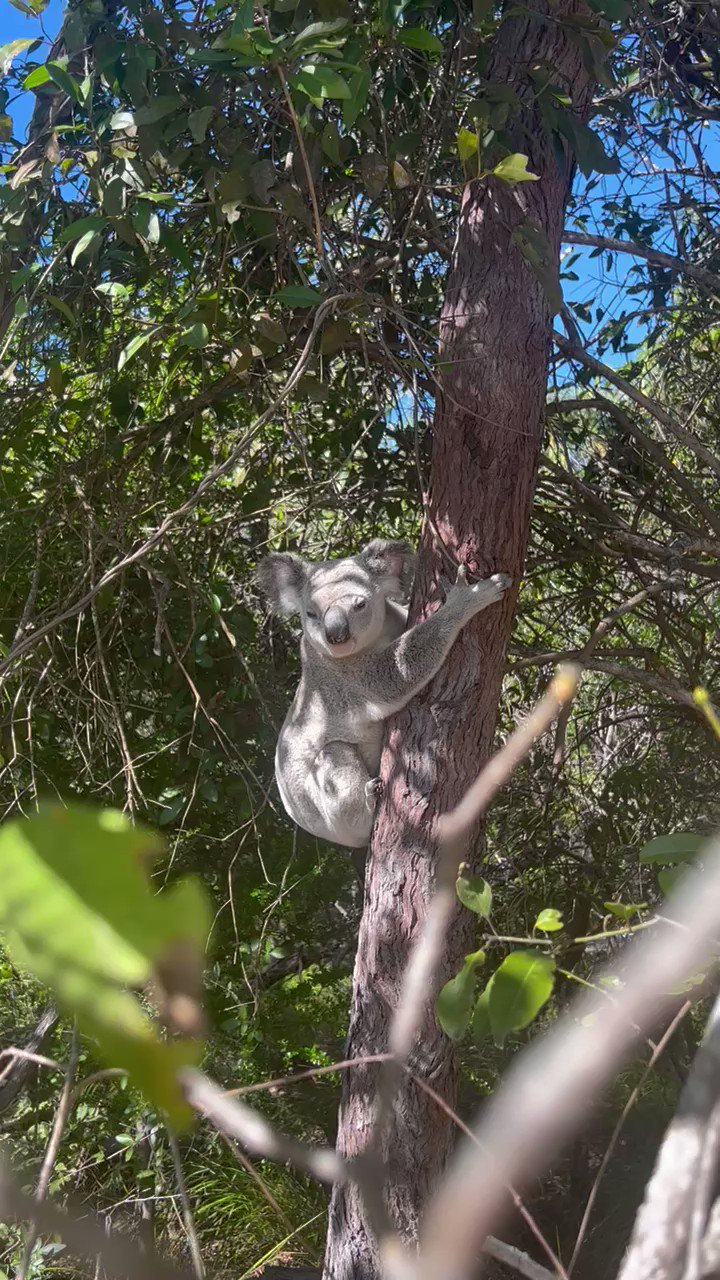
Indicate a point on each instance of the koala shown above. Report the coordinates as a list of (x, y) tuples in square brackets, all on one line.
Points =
[(359, 665)]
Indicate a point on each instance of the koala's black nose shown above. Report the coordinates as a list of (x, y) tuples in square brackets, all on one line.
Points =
[(336, 625)]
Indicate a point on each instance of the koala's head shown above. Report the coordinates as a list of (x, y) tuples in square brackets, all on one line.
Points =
[(341, 602)]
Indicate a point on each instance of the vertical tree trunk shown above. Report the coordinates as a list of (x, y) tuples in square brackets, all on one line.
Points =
[(487, 436)]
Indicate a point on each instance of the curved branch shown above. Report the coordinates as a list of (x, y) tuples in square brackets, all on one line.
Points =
[(654, 256)]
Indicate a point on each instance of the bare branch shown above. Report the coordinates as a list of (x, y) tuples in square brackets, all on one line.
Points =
[(655, 256), (242, 1124), (61, 1118), (187, 1213)]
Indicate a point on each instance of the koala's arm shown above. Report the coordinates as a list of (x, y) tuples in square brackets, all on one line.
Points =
[(389, 678)]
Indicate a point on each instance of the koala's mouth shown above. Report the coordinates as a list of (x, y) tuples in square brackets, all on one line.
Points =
[(342, 650)]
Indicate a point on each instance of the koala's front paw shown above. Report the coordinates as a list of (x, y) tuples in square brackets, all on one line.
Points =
[(472, 597), (373, 791)]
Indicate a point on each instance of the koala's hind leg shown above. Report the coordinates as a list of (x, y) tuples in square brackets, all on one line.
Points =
[(345, 793)]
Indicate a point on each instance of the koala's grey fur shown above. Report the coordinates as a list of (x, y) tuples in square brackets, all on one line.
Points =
[(359, 665)]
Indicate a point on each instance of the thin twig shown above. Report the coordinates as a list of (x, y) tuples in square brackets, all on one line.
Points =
[(656, 256), (61, 1118), (187, 1213), (615, 1136)]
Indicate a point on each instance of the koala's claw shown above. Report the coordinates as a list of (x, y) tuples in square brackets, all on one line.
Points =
[(373, 791), (461, 573), (502, 581)]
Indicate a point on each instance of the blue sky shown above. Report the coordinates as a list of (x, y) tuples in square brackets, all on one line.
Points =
[(16, 26)]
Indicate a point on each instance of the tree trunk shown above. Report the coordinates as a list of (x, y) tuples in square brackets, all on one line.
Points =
[(495, 334)]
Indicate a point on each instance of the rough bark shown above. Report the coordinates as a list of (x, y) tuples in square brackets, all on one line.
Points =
[(487, 435)]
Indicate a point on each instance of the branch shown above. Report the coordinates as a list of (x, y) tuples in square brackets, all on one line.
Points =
[(545, 1095), (686, 437), (61, 1118), (655, 256), (240, 1123), (668, 1234)]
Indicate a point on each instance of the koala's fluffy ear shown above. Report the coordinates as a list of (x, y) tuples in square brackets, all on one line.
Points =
[(282, 577), (393, 563)]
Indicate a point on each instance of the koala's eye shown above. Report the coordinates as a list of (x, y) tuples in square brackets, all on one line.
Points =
[(311, 615), (359, 604)]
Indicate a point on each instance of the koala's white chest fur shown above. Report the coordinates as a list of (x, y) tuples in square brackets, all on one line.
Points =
[(327, 744)]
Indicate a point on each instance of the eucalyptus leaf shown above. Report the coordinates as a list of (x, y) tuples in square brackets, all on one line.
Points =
[(514, 169), (78, 912), (518, 990), (474, 892), (454, 1004), (671, 849)]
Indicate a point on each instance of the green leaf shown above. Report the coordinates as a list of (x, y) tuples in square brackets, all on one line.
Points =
[(94, 222), (195, 336), (8, 52), (85, 244), (681, 847), (624, 910), (514, 169), (64, 81), (419, 38), (157, 109), (133, 346), (112, 289), (60, 305), (122, 120), (374, 172), (670, 879), (298, 295), (318, 80), (549, 920), (35, 78), (199, 121), (355, 105), (31, 8), (6, 127), (146, 222), (468, 144), (56, 378), (79, 913), (475, 893), (481, 1027), (535, 249), (518, 990), (454, 1004), (320, 32)]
